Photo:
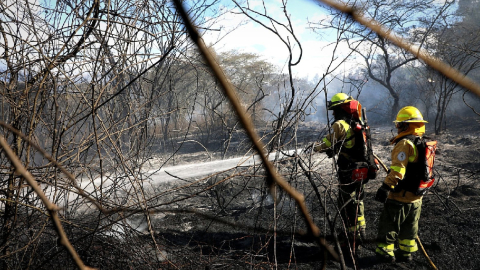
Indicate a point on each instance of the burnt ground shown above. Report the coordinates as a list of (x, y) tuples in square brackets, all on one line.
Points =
[(237, 234), (226, 221), (448, 225)]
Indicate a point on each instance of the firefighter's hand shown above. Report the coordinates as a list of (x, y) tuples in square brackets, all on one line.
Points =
[(382, 193)]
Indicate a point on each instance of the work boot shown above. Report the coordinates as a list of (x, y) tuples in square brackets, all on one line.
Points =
[(385, 254), (384, 258), (403, 256), (359, 238)]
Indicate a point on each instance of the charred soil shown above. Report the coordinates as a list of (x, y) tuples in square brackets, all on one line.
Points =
[(448, 224), (229, 221)]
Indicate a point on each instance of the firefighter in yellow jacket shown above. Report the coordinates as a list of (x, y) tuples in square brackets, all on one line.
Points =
[(398, 221), (342, 142)]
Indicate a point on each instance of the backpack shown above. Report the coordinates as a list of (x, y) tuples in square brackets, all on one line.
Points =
[(420, 177), (367, 166)]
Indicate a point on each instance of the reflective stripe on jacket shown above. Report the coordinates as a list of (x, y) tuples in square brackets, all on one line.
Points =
[(341, 131), (403, 153)]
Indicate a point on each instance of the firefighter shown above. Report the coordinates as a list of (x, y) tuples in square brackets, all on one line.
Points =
[(342, 142), (399, 219)]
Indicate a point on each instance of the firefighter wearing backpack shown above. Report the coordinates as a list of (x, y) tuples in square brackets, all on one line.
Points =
[(403, 188), (342, 141)]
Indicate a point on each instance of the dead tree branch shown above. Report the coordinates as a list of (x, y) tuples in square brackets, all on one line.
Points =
[(273, 176)]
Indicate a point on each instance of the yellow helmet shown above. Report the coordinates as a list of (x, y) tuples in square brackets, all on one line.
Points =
[(338, 99), (409, 114)]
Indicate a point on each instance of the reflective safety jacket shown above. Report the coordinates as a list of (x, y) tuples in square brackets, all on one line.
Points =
[(341, 131), (404, 153)]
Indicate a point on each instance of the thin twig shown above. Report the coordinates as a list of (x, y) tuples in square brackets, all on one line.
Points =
[(51, 207), (447, 70), (273, 176)]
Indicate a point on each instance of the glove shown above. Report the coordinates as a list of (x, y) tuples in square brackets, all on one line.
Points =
[(382, 193)]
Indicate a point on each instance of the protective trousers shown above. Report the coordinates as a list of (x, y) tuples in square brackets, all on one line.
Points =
[(350, 203), (398, 222)]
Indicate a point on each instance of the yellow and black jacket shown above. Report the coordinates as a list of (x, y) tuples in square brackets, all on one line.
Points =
[(405, 152), (341, 131)]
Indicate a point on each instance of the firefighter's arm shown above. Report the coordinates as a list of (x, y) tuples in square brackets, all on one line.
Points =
[(338, 133), (401, 154)]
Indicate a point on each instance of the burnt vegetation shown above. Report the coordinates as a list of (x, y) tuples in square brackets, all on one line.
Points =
[(98, 98)]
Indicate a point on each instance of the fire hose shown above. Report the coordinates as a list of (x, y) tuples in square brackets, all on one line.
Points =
[(418, 238)]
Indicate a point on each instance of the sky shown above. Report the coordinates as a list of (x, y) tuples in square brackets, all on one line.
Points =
[(252, 37)]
